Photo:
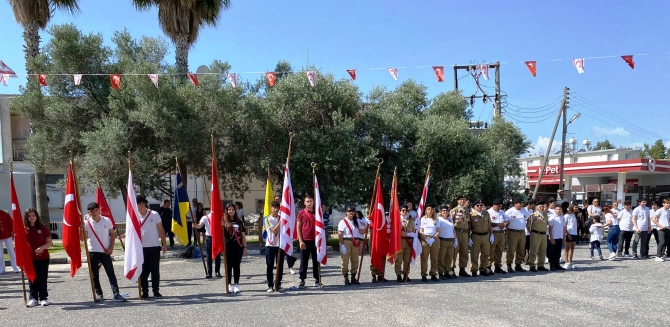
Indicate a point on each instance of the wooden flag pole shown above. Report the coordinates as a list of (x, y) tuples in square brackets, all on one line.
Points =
[(279, 250), (223, 237), (23, 275), (374, 193), (195, 233), (319, 263), (409, 267), (82, 233), (139, 285), (116, 230)]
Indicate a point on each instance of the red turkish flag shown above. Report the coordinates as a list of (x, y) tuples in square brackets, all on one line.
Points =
[(380, 241), (395, 240), (193, 78), (115, 80), (629, 61), (104, 207), (532, 67), (352, 73), (71, 222), (272, 78), (439, 73), (216, 213), (43, 79), (24, 257)]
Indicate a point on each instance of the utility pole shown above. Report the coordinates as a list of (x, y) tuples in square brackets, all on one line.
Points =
[(564, 112), (561, 112), (497, 97)]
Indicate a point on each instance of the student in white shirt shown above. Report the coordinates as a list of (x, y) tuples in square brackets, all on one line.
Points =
[(613, 235), (594, 209), (348, 232), (205, 221), (596, 231), (625, 218), (100, 240), (152, 230), (571, 235), (516, 238), (642, 224), (662, 219), (430, 243), (557, 231), (654, 228), (447, 244)]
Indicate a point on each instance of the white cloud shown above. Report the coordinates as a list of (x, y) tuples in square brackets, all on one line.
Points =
[(542, 144), (667, 144), (617, 131)]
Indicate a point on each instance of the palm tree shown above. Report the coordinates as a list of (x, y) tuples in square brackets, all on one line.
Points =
[(34, 15), (181, 21)]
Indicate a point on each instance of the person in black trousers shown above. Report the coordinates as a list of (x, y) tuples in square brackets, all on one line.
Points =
[(100, 241), (306, 235), (272, 250), (39, 239), (626, 226), (235, 240), (205, 224), (166, 219), (152, 230)]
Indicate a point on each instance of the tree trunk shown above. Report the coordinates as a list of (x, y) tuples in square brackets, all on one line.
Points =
[(31, 36), (181, 55)]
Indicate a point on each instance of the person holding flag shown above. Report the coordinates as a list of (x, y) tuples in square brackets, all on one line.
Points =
[(39, 240), (181, 212), (408, 234), (348, 231), (206, 222), (151, 229), (307, 236), (272, 250), (380, 226), (101, 246), (430, 240)]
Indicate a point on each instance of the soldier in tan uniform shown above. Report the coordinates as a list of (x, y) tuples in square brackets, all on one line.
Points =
[(461, 217), (537, 225), (481, 238), (408, 233)]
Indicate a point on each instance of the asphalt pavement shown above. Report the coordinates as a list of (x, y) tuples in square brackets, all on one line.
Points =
[(596, 293)]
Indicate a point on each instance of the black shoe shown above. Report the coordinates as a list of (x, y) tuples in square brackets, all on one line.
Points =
[(424, 279), (519, 268), (208, 276), (483, 273), (381, 279), (552, 269), (499, 270), (354, 280), (462, 273), (474, 274), (559, 268), (434, 278), (346, 281), (302, 284), (532, 269), (145, 295), (374, 278), (444, 276), (158, 295), (99, 297), (218, 275), (509, 269), (399, 279), (489, 272), (407, 279), (450, 276), (542, 269)]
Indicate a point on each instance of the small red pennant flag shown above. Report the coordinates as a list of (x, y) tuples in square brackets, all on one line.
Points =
[(4, 79), (311, 76), (272, 78), (439, 73), (394, 73), (115, 80), (484, 68), (43, 79), (232, 78), (629, 61), (352, 73), (532, 67), (193, 78), (154, 79), (77, 79)]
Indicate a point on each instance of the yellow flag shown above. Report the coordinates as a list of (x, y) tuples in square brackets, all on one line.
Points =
[(266, 209)]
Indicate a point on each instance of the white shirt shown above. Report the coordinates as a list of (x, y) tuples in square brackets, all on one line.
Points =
[(594, 210), (571, 223), (362, 223), (497, 217), (412, 213), (551, 211), (149, 228), (612, 218), (652, 212), (663, 217), (446, 227), (429, 226), (596, 231), (557, 222), (271, 222), (642, 218), (517, 218), (527, 212), (346, 232), (625, 220), (615, 212), (101, 228), (559, 201), (205, 221)]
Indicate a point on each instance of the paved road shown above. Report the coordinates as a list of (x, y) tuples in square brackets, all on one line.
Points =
[(597, 293)]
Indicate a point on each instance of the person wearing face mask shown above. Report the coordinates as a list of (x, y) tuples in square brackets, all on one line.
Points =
[(445, 262), (481, 239), (498, 224), (407, 233), (430, 243), (461, 216), (348, 232)]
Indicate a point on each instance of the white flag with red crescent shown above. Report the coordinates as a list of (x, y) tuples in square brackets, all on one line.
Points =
[(321, 238), (134, 255), (394, 73), (579, 64), (232, 78)]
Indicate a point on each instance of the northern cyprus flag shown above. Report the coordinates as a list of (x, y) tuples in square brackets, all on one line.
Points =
[(132, 266)]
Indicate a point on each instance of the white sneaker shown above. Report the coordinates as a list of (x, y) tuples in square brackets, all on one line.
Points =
[(44, 303), (230, 288), (270, 290), (546, 260), (561, 260), (316, 284), (612, 256), (567, 266), (292, 271), (658, 259), (236, 288), (31, 303)]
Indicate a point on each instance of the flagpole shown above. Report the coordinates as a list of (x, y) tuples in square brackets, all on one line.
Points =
[(193, 218), (279, 250), (374, 192), (82, 233), (417, 235), (23, 275), (313, 175), (139, 285), (223, 238), (116, 230)]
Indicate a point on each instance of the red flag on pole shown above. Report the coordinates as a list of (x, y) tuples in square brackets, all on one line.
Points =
[(132, 265), (193, 78), (272, 78), (380, 242), (287, 214), (629, 61), (416, 246), (352, 73), (71, 222), (216, 212), (439, 73), (104, 206), (532, 67), (115, 80), (43, 79), (24, 257), (395, 245)]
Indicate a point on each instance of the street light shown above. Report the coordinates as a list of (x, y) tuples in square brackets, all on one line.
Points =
[(565, 133), (575, 117)]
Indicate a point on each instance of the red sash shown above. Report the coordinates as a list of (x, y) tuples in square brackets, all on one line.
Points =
[(237, 238), (144, 219), (355, 241), (95, 234)]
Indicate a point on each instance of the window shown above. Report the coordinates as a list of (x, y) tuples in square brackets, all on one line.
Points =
[(611, 157), (575, 159), (629, 156)]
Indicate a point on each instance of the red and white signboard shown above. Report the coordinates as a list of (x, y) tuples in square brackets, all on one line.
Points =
[(593, 188), (577, 188), (608, 187), (552, 170)]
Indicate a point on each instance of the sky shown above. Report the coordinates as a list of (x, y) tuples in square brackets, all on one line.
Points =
[(616, 102)]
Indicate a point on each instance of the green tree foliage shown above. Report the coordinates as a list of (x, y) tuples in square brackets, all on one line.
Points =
[(656, 151), (606, 144)]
